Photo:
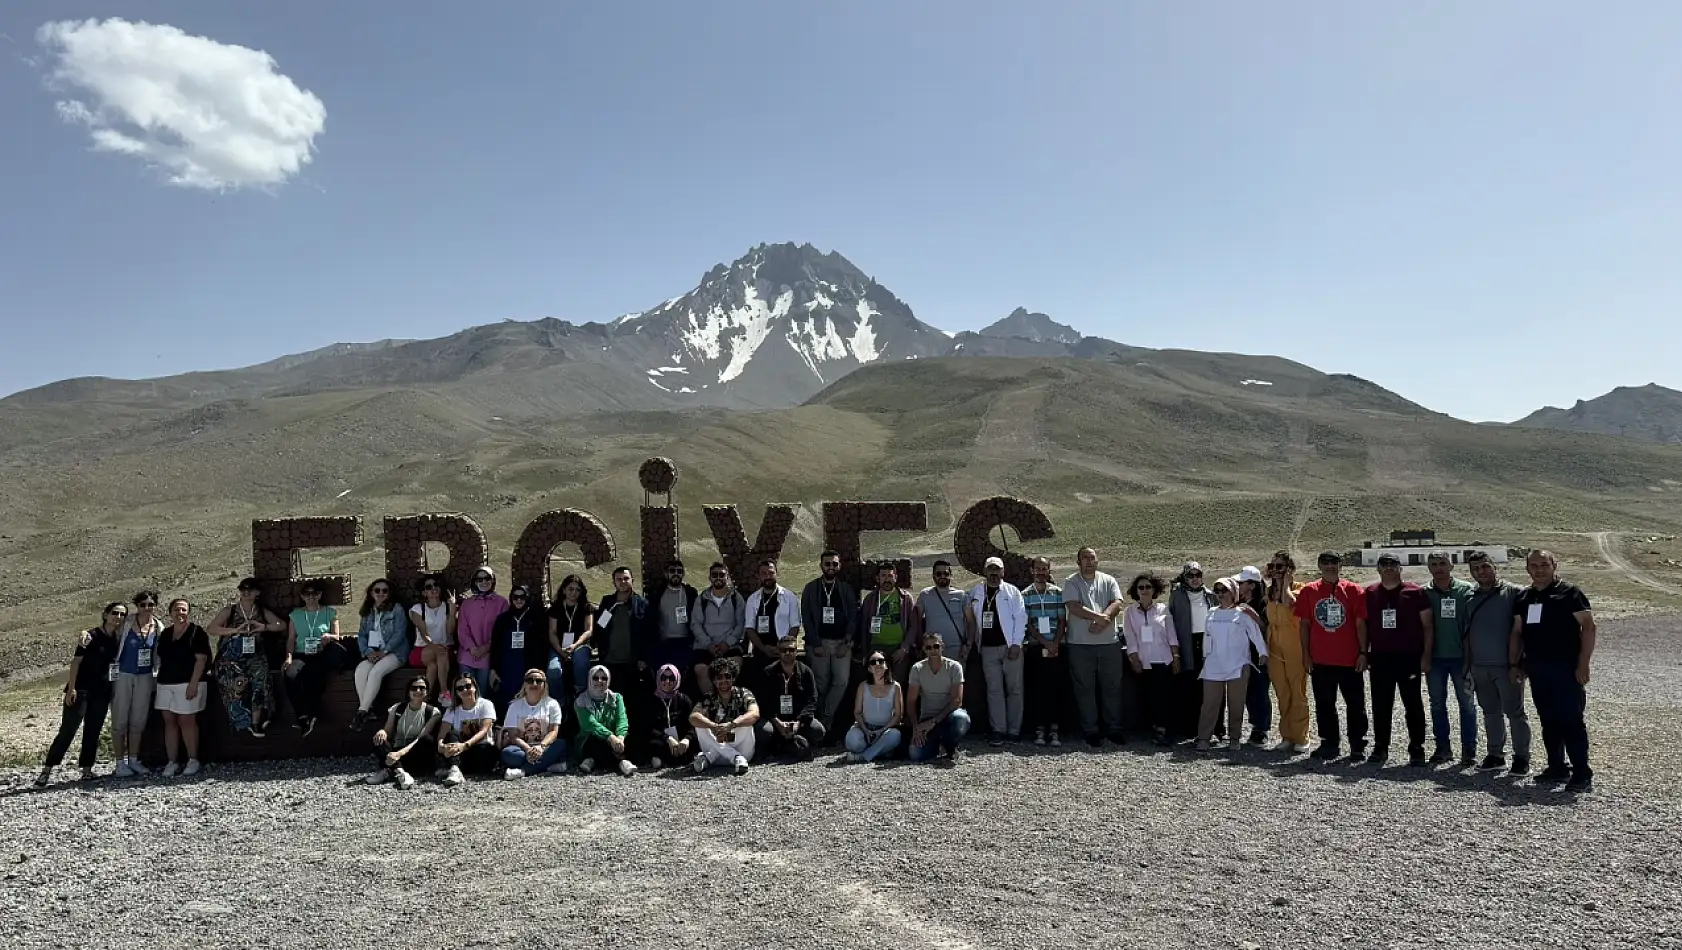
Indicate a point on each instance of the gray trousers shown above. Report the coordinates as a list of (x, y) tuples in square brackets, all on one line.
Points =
[(832, 668), (1502, 701), (1095, 672), (1004, 689)]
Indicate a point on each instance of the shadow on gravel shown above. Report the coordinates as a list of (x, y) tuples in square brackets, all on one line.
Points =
[(1500, 786)]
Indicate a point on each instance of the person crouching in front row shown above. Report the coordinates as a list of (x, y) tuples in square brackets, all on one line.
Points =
[(792, 728), (602, 725), (935, 704), (724, 721), (531, 731), (405, 742)]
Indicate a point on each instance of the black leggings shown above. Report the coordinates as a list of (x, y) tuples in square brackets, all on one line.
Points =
[(422, 759), (595, 747), (87, 714), (1160, 689)]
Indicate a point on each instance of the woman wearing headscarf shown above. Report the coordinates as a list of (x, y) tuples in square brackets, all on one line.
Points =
[(242, 660), (671, 737), (131, 703), (1231, 632), (519, 641), (183, 656), (382, 641), (87, 694), (878, 708), (475, 623), (602, 724)]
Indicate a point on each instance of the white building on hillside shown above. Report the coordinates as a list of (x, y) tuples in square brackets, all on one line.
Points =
[(1413, 547)]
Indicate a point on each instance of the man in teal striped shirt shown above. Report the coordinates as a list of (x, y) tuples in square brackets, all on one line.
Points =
[(1047, 671)]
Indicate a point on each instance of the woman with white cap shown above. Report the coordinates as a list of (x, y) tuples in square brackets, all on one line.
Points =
[(1226, 662), (1252, 593)]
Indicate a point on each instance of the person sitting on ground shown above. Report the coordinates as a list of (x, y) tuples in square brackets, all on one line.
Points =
[(382, 641), (934, 704), (464, 737), (242, 659), (1230, 632), (531, 732), (718, 621), (518, 643), (87, 694), (602, 725), (312, 652), (434, 620), (724, 721), (183, 656), (131, 702), (671, 737), (404, 746), (1153, 647), (878, 708), (792, 728)]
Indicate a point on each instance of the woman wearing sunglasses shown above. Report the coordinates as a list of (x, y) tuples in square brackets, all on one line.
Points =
[(531, 732), (519, 641), (87, 694), (877, 710), (671, 737), (464, 739), (404, 746), (602, 725), (475, 624), (136, 685), (383, 643), (434, 620), (312, 652), (242, 660)]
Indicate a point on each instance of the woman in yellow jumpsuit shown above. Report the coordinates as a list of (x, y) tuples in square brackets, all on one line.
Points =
[(1284, 653)]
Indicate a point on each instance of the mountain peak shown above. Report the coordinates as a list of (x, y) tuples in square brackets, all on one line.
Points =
[(1033, 326), (1651, 412)]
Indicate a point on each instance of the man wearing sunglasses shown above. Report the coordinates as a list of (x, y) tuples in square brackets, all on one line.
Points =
[(674, 604), (829, 611), (724, 721), (934, 704), (792, 728), (717, 623), (999, 622)]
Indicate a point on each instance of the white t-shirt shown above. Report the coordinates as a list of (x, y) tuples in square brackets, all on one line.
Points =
[(433, 621), (533, 722), (465, 722), (1199, 611)]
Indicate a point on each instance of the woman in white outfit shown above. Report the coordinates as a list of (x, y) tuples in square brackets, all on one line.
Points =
[(434, 620), (383, 642), (136, 683), (878, 707), (724, 721), (1232, 628)]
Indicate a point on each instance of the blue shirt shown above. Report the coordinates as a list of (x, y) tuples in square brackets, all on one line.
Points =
[(128, 661)]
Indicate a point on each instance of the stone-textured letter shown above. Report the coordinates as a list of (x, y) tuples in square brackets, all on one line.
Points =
[(972, 538), (277, 563), (732, 539), (554, 528), (845, 521), (405, 551)]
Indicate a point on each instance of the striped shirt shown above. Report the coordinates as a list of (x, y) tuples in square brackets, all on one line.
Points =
[(1049, 605)]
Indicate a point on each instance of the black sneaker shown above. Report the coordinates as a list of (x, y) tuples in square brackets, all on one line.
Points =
[(1441, 755), (1258, 737), (1378, 757), (1327, 750), (802, 748), (359, 720), (1416, 760), (307, 724), (1582, 780), (996, 740), (1117, 738), (1160, 737), (1554, 775), (1095, 740), (1468, 760), (1358, 754), (1520, 767), (1493, 762)]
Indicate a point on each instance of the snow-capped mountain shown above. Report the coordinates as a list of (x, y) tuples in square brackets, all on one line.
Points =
[(776, 326)]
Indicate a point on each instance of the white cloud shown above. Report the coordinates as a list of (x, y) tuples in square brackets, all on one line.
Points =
[(210, 115)]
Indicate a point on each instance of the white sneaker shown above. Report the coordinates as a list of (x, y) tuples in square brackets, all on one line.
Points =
[(626, 768), (559, 768), (378, 777), (656, 763), (140, 771), (453, 777), (170, 770), (124, 770), (405, 781), (1285, 745), (741, 765), (512, 774), (849, 757), (1300, 747), (192, 768), (700, 763), (587, 766)]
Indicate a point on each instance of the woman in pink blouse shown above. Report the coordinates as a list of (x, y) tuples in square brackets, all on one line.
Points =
[(1153, 648)]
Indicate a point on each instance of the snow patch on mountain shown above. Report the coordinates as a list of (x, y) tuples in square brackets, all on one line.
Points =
[(815, 345), (864, 336), (754, 318)]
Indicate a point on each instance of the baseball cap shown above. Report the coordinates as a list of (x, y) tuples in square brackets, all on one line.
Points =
[(997, 562), (1330, 557), (1251, 574)]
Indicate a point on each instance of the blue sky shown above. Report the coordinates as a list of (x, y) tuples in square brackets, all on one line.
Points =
[(1476, 205)]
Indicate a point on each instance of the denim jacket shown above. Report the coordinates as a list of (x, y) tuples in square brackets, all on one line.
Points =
[(394, 624)]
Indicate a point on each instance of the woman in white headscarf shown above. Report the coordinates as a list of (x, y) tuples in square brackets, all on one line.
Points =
[(602, 724)]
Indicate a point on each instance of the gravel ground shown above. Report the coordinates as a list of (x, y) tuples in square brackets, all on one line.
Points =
[(1123, 847)]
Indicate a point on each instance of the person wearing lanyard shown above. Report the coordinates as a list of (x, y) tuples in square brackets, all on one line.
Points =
[(1190, 603), (87, 694), (829, 610), (1450, 597), (313, 651), (383, 643), (242, 664), (1399, 629), (1045, 666), (724, 721), (671, 603), (625, 634), (518, 642), (773, 612), (718, 624), (671, 736), (996, 608), (131, 701), (1552, 642), (888, 622), (792, 727), (571, 622), (1153, 648)]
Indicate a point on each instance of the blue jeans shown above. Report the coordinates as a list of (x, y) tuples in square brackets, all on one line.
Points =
[(887, 742), (946, 736), (1444, 672), (515, 757), (557, 673)]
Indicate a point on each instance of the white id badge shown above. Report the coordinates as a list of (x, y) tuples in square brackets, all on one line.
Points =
[(875, 625), (247, 645), (144, 659), (1448, 608), (762, 624), (111, 673), (785, 705), (311, 647), (1045, 626), (567, 639), (517, 641), (986, 620), (671, 732), (1387, 619), (1533, 614), (829, 615), (682, 614)]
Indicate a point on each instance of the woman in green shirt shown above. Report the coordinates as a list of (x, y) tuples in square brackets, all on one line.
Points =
[(602, 725), (313, 651)]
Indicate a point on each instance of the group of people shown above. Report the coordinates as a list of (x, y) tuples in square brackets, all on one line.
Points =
[(673, 675)]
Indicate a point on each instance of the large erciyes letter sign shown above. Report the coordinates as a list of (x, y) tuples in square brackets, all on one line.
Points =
[(277, 544)]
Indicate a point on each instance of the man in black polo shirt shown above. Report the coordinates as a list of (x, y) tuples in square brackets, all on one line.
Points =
[(1399, 630), (1553, 638)]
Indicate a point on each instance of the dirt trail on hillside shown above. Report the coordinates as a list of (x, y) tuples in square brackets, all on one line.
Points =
[(1607, 543)]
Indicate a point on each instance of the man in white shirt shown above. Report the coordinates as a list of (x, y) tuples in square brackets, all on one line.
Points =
[(998, 620), (773, 612), (1096, 657)]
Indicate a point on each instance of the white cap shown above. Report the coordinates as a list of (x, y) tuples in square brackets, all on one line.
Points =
[(997, 562), (1251, 574)]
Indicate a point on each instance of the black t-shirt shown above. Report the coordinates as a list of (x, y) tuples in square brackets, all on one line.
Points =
[(177, 654), (94, 675), (1551, 633), (577, 621)]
